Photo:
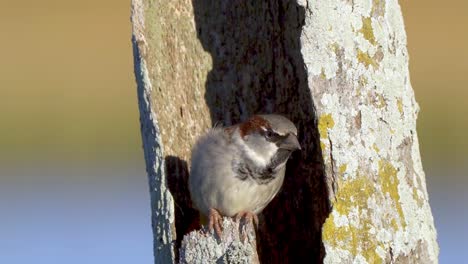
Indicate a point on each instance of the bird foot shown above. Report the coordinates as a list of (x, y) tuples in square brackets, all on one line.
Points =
[(250, 219), (215, 222)]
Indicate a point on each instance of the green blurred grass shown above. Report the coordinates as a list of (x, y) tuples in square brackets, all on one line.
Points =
[(67, 88), (67, 80)]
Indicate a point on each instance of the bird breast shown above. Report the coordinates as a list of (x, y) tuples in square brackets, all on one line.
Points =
[(214, 184)]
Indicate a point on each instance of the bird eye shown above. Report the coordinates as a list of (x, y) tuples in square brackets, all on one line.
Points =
[(270, 135)]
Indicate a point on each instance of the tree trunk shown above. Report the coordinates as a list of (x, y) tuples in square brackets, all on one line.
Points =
[(339, 70)]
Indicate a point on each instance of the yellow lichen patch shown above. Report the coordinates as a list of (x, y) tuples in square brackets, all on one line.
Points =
[(400, 106), (325, 122), (335, 47), (416, 197), (342, 168), (356, 239), (322, 145), (363, 81), (375, 147), (367, 30), (394, 224), (322, 74), (365, 59), (352, 200), (389, 182), (358, 91), (381, 101), (353, 193), (328, 230), (332, 234)]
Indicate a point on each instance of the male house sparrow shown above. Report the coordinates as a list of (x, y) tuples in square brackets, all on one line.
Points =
[(236, 171)]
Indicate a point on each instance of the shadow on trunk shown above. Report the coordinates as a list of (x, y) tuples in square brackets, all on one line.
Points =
[(258, 68)]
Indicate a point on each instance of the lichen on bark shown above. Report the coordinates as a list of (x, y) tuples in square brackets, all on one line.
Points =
[(357, 62)]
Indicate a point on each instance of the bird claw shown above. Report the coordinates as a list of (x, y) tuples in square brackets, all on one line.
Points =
[(247, 218), (215, 222)]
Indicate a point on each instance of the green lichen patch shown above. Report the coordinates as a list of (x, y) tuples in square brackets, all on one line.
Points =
[(389, 182), (367, 30), (325, 122)]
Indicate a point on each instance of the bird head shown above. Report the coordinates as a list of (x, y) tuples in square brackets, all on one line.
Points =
[(268, 138)]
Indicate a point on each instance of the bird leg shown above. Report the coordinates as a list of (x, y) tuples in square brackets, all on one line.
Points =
[(215, 221)]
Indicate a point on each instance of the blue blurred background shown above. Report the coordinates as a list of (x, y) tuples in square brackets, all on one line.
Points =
[(73, 187)]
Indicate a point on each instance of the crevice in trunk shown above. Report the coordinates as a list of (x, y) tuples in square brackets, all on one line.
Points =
[(258, 68)]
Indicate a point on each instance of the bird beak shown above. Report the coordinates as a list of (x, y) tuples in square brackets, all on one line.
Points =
[(290, 143)]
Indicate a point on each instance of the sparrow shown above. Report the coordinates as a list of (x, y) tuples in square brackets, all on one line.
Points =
[(237, 170)]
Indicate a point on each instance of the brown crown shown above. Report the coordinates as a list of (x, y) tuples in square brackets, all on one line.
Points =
[(253, 124)]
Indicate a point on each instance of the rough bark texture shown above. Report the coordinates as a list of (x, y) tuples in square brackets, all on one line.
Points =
[(170, 69), (357, 65), (237, 245), (339, 70)]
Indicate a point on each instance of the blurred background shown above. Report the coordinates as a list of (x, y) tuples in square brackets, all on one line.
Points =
[(73, 187)]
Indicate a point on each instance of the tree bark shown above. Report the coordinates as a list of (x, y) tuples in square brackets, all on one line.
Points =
[(356, 193)]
